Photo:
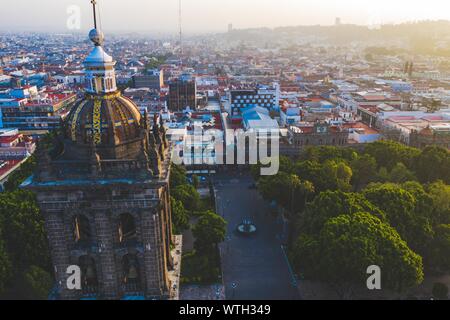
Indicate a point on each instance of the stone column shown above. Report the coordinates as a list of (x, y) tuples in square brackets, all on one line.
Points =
[(54, 223), (152, 257), (108, 275), (169, 233), (166, 228), (162, 245)]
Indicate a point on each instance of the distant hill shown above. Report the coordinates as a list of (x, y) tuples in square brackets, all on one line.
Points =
[(427, 37)]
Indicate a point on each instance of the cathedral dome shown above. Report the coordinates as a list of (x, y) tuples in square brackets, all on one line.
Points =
[(102, 122), (108, 120)]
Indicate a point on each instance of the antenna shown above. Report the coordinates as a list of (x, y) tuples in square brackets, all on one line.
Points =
[(181, 32), (181, 51), (94, 2)]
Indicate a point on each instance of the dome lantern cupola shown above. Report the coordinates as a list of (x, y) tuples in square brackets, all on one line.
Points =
[(100, 75)]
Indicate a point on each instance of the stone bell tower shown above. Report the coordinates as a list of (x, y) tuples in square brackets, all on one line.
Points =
[(102, 186)]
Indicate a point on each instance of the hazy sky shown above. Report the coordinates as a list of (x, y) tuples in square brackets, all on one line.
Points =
[(214, 15)]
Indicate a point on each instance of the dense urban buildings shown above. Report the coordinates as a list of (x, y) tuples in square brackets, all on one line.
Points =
[(146, 170), (153, 79), (182, 93)]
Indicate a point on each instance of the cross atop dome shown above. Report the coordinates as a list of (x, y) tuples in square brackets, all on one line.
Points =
[(96, 35), (94, 3)]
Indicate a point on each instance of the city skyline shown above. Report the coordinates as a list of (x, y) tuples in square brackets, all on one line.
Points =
[(268, 150), (200, 16)]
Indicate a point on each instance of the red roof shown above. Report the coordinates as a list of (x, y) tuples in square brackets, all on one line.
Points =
[(9, 139), (60, 96), (433, 118), (7, 166)]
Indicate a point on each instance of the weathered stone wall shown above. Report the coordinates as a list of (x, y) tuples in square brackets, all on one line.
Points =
[(148, 205)]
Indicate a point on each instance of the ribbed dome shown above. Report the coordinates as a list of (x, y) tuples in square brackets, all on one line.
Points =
[(107, 121)]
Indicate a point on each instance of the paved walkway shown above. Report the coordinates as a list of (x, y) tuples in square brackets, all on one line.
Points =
[(253, 267), (212, 292)]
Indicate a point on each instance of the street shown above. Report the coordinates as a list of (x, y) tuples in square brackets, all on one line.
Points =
[(253, 267)]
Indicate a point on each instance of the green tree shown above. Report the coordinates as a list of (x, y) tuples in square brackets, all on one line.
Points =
[(343, 176), (156, 61), (425, 207), (440, 195), (331, 204), (389, 153), (177, 176), (304, 255), (440, 291), (322, 154), (287, 190), (37, 283), (285, 164), (311, 171), (188, 196), (180, 217), (383, 175), (433, 164), (348, 244), (364, 170), (209, 231), (332, 175), (195, 181), (23, 230), (400, 208), (5, 265), (440, 249), (400, 173)]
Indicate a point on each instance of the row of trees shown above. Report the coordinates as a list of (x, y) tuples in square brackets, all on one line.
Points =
[(24, 256), (388, 205), (203, 264)]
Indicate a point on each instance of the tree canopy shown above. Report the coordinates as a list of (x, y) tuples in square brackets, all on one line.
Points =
[(180, 216), (209, 231), (387, 195), (351, 243), (23, 240)]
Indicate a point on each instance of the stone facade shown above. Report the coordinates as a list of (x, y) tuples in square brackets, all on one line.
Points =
[(321, 134), (428, 137), (102, 185), (98, 204)]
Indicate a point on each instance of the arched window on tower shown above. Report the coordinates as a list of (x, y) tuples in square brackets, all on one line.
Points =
[(89, 280), (127, 228), (131, 273), (81, 229)]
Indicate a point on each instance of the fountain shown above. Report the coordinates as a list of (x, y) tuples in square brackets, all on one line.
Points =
[(247, 227)]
